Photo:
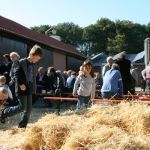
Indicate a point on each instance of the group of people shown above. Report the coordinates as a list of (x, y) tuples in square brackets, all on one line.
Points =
[(19, 80), (81, 84), (118, 77), (50, 81), (22, 77)]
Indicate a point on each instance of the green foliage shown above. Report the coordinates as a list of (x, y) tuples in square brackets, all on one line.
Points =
[(70, 33), (103, 36), (134, 35), (116, 45), (41, 29)]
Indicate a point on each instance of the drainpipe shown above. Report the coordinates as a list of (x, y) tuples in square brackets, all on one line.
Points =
[(147, 50)]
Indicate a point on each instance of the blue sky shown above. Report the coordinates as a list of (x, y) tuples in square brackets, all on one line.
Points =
[(81, 12)]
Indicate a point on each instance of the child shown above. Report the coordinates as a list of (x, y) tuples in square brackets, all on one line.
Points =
[(3, 94), (3, 97), (4, 85), (84, 86), (81, 69)]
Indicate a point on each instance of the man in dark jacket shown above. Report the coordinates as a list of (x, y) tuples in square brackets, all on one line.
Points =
[(124, 67), (24, 87), (41, 80), (55, 81)]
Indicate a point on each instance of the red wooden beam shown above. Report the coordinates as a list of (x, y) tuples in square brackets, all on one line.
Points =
[(61, 98), (119, 101), (98, 100), (131, 96), (144, 98), (108, 100)]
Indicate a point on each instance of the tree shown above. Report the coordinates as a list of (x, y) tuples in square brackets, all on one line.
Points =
[(70, 33), (41, 29), (104, 36), (97, 35), (134, 35), (88, 40), (116, 45)]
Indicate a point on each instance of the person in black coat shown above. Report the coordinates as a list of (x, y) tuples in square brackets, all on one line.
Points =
[(6, 67), (41, 80), (55, 82), (124, 67), (25, 86)]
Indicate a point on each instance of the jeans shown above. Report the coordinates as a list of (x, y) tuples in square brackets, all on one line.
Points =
[(83, 101), (24, 105)]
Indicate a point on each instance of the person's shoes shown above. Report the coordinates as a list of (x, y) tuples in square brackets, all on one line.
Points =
[(2, 119), (22, 125)]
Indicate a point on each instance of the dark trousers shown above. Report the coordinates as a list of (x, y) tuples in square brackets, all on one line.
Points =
[(132, 90), (126, 86), (24, 105)]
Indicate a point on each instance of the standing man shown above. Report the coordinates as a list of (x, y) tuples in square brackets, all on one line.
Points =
[(14, 56), (108, 65), (25, 78), (124, 67)]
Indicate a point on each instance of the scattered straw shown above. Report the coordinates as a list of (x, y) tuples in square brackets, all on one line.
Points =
[(119, 127), (33, 138)]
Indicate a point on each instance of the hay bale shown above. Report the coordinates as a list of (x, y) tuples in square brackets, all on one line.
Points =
[(54, 136), (56, 129), (94, 139), (72, 121), (101, 110), (33, 139), (103, 115), (135, 118), (123, 126), (131, 117), (14, 131), (104, 137)]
